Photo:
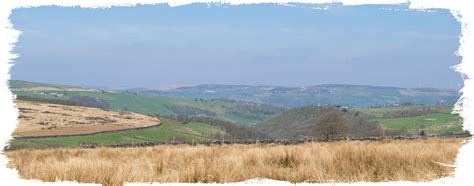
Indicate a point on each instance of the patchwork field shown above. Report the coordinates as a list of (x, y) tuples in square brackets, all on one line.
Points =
[(57, 122), (344, 161), (42, 120), (52, 119), (440, 120), (167, 131), (159, 105)]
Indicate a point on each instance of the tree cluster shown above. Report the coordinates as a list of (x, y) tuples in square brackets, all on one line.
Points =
[(84, 101), (331, 125), (254, 111), (189, 111), (87, 101)]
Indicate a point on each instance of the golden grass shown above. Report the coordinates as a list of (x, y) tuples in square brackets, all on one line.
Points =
[(346, 161), (43, 119)]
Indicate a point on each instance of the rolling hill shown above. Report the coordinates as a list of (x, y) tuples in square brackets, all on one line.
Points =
[(229, 110), (207, 116), (298, 122), (168, 131), (292, 97), (412, 119), (437, 120)]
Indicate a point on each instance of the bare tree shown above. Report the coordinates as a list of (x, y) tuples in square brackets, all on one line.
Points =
[(331, 124)]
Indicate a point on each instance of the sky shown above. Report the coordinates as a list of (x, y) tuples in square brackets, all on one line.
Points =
[(261, 44)]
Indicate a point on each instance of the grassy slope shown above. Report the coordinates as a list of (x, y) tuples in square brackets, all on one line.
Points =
[(298, 121), (146, 104), (165, 132), (440, 122), (27, 84), (436, 123), (152, 104), (204, 128), (379, 112), (141, 103)]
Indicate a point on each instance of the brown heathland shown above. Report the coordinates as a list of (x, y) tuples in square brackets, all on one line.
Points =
[(344, 161), (42, 119)]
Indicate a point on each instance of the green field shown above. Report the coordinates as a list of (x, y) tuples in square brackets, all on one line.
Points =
[(204, 128), (27, 84), (169, 130), (153, 104), (379, 112), (440, 122)]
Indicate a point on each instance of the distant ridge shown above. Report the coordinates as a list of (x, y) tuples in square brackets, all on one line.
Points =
[(283, 96), (326, 94)]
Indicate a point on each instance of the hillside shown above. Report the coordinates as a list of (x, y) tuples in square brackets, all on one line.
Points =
[(292, 97), (229, 110), (43, 125), (297, 123), (19, 85), (167, 131), (272, 121), (415, 118), (370, 121), (40, 119)]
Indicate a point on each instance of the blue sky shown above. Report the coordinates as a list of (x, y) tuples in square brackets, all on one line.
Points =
[(263, 44)]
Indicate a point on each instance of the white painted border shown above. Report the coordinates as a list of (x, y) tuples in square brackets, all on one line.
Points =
[(459, 8)]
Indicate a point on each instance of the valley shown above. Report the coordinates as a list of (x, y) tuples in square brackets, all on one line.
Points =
[(68, 116)]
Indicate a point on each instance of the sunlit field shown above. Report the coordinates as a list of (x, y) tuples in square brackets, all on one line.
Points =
[(343, 161)]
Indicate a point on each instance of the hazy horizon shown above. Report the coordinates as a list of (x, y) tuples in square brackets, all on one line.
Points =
[(172, 86), (265, 44)]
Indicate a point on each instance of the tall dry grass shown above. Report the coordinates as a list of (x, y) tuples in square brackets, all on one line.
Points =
[(347, 161)]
